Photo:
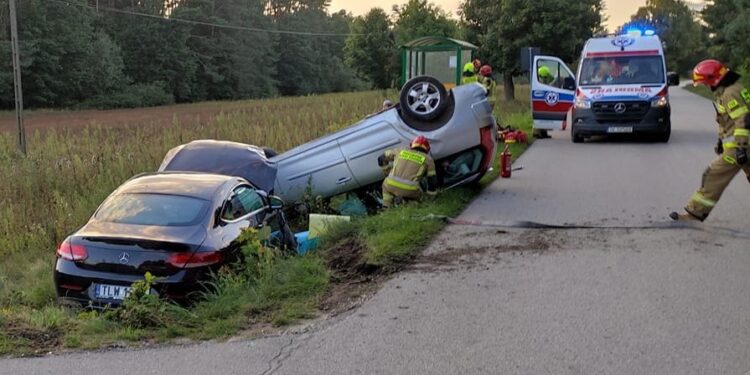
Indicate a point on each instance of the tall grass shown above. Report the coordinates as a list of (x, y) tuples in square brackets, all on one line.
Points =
[(67, 173)]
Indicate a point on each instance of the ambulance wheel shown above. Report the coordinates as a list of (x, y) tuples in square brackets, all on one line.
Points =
[(664, 136), (575, 137), (424, 98)]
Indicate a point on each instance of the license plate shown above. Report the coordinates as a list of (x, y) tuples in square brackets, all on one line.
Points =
[(115, 292), (620, 129)]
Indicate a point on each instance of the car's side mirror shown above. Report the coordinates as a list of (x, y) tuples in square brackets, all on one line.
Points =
[(673, 79), (275, 202), (569, 83)]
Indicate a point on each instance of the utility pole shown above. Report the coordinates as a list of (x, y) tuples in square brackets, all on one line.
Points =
[(17, 77)]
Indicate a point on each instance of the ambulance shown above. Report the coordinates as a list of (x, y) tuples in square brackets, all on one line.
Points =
[(622, 87)]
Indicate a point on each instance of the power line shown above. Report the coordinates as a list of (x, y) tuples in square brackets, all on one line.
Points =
[(182, 20)]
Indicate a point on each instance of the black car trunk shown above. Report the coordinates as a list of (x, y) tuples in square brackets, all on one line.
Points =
[(135, 250)]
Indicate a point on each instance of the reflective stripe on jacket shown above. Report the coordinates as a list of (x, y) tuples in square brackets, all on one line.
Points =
[(409, 167), (732, 106)]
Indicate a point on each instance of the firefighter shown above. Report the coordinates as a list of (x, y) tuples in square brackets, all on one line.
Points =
[(544, 75), (485, 78), (411, 168), (733, 115), (469, 74)]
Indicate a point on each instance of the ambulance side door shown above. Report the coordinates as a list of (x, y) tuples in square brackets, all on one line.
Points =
[(552, 97)]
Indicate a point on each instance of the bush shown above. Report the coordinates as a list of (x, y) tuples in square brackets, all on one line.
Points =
[(133, 96)]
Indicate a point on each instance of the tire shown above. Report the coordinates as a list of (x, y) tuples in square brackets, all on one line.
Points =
[(574, 136), (664, 137), (424, 98)]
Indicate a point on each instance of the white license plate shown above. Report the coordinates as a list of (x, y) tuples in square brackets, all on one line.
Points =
[(620, 129), (115, 292)]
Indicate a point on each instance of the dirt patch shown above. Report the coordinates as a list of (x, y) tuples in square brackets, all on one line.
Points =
[(352, 278), (38, 341), (488, 249)]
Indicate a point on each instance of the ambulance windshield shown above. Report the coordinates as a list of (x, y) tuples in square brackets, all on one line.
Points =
[(622, 70)]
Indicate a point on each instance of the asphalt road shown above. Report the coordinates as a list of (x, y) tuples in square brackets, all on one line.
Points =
[(527, 301)]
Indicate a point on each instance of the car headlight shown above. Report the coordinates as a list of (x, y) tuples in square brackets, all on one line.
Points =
[(660, 102), (583, 103)]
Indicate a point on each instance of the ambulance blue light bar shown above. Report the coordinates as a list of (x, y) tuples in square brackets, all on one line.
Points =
[(639, 32)]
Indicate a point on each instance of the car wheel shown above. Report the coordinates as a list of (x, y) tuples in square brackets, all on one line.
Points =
[(424, 98), (664, 137), (575, 137)]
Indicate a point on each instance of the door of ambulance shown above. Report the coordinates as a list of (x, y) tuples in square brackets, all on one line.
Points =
[(552, 97)]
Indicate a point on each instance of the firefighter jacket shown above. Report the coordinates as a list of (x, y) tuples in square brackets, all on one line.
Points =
[(490, 85), (469, 76), (410, 167), (733, 115)]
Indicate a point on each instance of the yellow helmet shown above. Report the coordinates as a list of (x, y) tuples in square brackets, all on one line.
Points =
[(544, 72)]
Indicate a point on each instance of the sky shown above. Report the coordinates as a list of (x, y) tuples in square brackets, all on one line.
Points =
[(618, 11)]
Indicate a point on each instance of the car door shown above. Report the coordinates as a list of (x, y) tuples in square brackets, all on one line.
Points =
[(319, 166), (363, 146), (244, 208), (551, 98)]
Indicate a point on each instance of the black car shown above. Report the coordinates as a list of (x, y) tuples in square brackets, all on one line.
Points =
[(180, 227)]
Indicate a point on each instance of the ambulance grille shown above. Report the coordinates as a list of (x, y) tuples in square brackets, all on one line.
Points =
[(607, 111)]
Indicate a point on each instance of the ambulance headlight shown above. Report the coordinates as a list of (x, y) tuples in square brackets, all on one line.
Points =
[(583, 103), (660, 102)]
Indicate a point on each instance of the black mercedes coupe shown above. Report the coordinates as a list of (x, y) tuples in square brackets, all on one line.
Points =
[(178, 226)]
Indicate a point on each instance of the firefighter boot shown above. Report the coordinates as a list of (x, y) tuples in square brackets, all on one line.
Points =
[(683, 217)]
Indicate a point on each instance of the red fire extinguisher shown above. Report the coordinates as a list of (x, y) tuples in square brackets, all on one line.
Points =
[(506, 162)]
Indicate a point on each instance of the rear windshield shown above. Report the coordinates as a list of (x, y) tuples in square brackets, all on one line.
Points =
[(153, 209), (629, 70)]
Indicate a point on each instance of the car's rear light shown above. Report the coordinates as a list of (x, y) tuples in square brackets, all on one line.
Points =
[(193, 260), (68, 251)]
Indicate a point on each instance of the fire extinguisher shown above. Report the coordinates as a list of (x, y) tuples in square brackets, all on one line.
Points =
[(506, 162)]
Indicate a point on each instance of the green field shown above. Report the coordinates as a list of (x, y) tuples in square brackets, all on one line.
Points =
[(47, 195)]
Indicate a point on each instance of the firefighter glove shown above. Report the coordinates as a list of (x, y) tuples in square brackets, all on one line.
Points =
[(719, 148), (382, 161), (741, 155)]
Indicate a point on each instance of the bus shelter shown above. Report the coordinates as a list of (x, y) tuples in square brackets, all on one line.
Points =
[(437, 56)]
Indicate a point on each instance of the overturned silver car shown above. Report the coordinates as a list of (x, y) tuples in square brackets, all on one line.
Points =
[(459, 124)]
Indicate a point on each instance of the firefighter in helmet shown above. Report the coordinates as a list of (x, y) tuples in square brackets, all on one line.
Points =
[(469, 74), (732, 106), (411, 169), (486, 79), (544, 75)]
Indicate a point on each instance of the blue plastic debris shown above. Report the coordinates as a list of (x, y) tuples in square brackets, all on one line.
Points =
[(304, 243)]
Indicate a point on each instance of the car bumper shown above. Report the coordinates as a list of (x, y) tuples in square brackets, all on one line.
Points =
[(654, 121), (73, 283)]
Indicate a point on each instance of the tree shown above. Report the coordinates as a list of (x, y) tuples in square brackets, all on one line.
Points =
[(370, 50), (728, 27), (308, 61), (678, 28), (502, 28), (231, 63), (153, 50), (64, 60), (419, 18)]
